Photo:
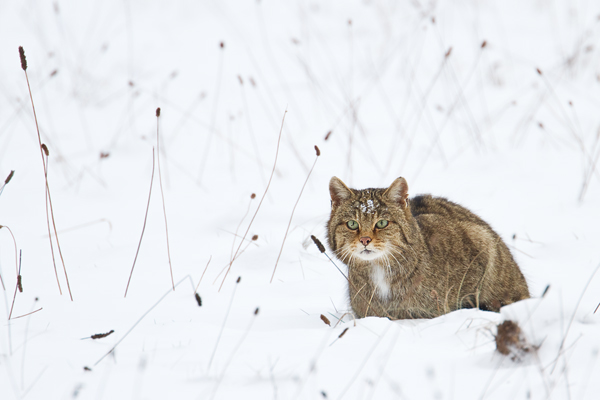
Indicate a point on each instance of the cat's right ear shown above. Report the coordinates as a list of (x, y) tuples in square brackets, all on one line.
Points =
[(398, 192), (339, 191)]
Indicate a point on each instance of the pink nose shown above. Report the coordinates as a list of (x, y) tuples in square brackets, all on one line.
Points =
[(365, 240)]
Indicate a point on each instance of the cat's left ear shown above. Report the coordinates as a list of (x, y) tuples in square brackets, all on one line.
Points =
[(339, 191), (398, 192)]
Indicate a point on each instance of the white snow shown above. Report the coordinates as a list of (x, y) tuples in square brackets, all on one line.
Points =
[(479, 126)]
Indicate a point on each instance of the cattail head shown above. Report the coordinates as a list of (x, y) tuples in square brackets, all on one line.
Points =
[(20, 283), (23, 59), (198, 299), (343, 333), (318, 243), (256, 311), (9, 177), (253, 196), (238, 279), (158, 112), (327, 135), (254, 238), (317, 150), (325, 319), (102, 335), (45, 148)]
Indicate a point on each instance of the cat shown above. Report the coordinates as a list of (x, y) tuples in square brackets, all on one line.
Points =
[(420, 257)]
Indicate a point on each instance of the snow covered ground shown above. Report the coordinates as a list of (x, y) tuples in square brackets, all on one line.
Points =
[(491, 104)]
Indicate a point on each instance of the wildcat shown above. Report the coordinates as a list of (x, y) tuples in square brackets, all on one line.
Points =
[(420, 257)]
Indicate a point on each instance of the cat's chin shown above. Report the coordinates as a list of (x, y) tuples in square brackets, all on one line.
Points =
[(369, 255)]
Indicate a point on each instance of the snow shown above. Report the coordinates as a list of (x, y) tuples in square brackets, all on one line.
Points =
[(405, 88)]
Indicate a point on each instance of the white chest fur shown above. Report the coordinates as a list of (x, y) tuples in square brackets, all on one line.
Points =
[(379, 279)]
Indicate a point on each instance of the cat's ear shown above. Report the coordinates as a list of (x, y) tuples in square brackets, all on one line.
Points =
[(398, 192), (339, 191)]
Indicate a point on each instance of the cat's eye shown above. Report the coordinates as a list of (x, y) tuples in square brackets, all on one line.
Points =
[(382, 223), (352, 224)]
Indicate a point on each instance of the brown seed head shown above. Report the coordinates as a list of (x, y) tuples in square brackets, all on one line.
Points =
[(222, 45), (318, 243), (253, 196), (483, 44), (448, 53), (317, 150), (19, 283), (238, 279), (538, 71), (102, 335), (87, 369), (158, 112), (53, 73), (23, 59), (325, 319), (327, 136), (45, 148), (256, 311), (255, 238), (198, 299), (9, 177), (343, 333)]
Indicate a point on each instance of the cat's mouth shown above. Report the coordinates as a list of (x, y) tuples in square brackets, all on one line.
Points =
[(368, 255)]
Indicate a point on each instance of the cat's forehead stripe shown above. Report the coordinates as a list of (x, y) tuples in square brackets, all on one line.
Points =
[(367, 202)]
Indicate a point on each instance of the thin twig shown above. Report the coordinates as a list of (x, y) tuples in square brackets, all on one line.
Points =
[(143, 228), (293, 210), (162, 194), (260, 203)]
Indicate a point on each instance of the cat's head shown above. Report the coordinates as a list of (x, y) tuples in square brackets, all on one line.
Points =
[(367, 224)]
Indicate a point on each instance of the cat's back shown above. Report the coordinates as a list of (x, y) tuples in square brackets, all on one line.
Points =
[(428, 207)]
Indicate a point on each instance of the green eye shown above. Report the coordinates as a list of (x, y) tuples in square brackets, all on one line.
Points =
[(382, 223), (352, 224)]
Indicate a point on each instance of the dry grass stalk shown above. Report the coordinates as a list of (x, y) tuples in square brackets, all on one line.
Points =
[(143, 227), (205, 268), (318, 152), (224, 322), (18, 287), (44, 150), (141, 318), (162, 195), (261, 200)]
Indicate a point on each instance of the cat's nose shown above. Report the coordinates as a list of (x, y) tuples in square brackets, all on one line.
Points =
[(365, 240)]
